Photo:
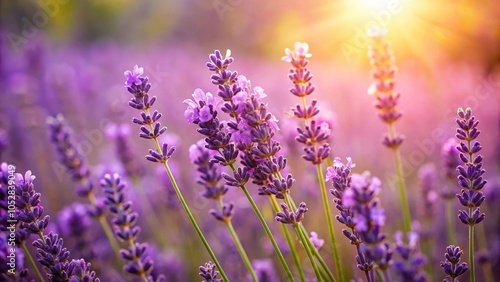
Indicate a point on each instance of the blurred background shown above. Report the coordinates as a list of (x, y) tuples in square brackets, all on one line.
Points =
[(68, 57)]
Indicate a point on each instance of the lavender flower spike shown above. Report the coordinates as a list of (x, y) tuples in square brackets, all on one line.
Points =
[(209, 273), (470, 177), (452, 265), (124, 220), (62, 137), (54, 257)]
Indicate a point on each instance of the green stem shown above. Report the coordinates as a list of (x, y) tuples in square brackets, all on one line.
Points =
[(291, 245), (482, 244), (291, 203), (450, 221), (32, 262), (316, 253), (106, 227), (186, 207), (238, 245), (307, 248), (266, 229), (401, 184), (331, 228), (471, 251), (191, 217), (268, 232)]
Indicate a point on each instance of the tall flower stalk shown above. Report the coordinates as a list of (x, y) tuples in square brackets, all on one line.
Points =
[(61, 136), (382, 88), (369, 218), (340, 176), (470, 177), (139, 86), (314, 135), (124, 221), (215, 189)]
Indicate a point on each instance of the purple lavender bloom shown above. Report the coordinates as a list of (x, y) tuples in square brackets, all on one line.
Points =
[(209, 272), (61, 136), (124, 220), (202, 107), (29, 210), (209, 174), (73, 220), (471, 172), (264, 270), (368, 217), (317, 242), (291, 217), (409, 266), (54, 257), (315, 134), (340, 175), (133, 77), (384, 81), (452, 265), (151, 128)]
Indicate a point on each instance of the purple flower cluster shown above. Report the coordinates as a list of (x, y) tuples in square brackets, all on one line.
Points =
[(471, 172), (125, 220), (384, 80), (369, 218), (409, 265), (209, 273), (340, 175), (50, 250), (315, 134), (61, 136), (139, 86), (452, 265), (54, 256), (29, 210), (210, 177)]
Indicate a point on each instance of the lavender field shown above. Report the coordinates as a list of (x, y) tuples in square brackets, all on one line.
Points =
[(233, 140)]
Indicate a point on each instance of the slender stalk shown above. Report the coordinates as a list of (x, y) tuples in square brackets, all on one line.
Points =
[(291, 203), (186, 207), (269, 234), (471, 251), (315, 251), (191, 218), (105, 226), (238, 245), (331, 228), (291, 245), (32, 262), (482, 245), (450, 222), (426, 249), (301, 235), (266, 229), (401, 184)]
